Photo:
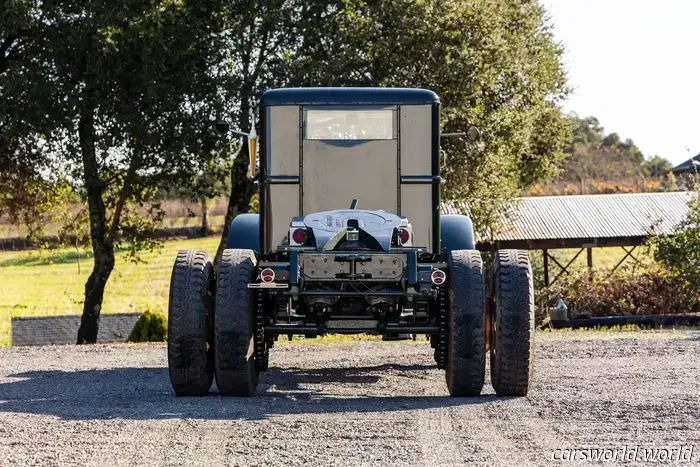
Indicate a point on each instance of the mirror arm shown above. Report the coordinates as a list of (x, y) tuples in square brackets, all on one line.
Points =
[(453, 135), (240, 133)]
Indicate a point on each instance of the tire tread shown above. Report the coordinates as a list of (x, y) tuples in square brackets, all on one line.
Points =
[(234, 324), (190, 362), (512, 354), (466, 352)]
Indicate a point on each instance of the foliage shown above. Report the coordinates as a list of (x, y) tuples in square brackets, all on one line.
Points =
[(150, 327), (26, 193), (622, 185), (680, 251), (595, 157), (657, 167), (640, 290), (117, 98), (505, 76), (49, 282)]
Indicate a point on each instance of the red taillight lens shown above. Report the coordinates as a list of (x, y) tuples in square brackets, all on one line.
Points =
[(438, 277), (403, 236), (267, 275), (299, 236)]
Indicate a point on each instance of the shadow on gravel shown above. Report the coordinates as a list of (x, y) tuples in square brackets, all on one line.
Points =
[(145, 394)]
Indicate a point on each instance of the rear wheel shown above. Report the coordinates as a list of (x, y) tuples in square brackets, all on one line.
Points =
[(512, 324), (466, 347), (234, 324), (190, 323)]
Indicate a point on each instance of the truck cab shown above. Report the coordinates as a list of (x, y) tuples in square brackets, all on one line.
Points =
[(322, 148)]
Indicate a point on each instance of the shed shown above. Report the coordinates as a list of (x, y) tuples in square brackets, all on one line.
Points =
[(583, 222)]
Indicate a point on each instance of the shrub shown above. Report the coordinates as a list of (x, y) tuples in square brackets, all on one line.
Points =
[(680, 251), (642, 290), (151, 327)]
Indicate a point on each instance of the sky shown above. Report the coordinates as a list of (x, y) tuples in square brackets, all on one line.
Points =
[(635, 65)]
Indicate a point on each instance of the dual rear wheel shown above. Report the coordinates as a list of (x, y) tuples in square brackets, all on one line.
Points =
[(210, 336), (506, 322)]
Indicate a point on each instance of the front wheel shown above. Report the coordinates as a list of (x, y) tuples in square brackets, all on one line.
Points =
[(234, 324), (466, 347), (512, 324)]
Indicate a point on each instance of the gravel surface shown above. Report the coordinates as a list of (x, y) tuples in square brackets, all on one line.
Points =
[(349, 404)]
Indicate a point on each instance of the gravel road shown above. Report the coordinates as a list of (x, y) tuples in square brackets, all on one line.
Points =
[(349, 404)]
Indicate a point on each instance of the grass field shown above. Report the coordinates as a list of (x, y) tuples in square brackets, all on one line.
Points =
[(42, 283), (52, 228), (604, 259), (34, 283)]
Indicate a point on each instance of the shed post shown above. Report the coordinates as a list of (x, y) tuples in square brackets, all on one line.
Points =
[(545, 258)]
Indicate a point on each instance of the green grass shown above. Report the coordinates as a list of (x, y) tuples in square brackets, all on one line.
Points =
[(43, 283), (52, 228), (604, 259), (47, 283)]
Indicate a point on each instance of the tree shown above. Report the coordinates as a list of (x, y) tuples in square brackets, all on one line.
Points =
[(587, 132), (26, 194), (680, 252), (209, 181), (119, 98), (657, 166), (261, 38), (594, 155), (493, 64)]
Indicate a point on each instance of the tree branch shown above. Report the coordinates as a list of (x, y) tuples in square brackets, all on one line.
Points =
[(262, 54), (9, 40), (121, 202)]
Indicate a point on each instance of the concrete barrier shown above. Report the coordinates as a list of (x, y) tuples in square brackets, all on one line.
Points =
[(46, 330)]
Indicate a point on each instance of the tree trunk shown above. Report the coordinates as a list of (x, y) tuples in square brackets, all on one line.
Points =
[(242, 188), (102, 246), (205, 216)]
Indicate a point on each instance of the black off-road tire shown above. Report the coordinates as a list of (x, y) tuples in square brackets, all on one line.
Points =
[(190, 324), (513, 324), (466, 346), (234, 324)]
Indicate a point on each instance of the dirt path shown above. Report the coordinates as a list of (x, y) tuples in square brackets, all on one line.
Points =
[(350, 404)]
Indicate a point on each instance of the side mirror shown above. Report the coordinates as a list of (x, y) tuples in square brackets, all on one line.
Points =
[(222, 126), (473, 133)]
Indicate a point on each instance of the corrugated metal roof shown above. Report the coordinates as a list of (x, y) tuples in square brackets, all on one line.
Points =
[(587, 216)]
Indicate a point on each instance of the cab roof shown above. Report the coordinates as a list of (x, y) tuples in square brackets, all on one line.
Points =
[(386, 96)]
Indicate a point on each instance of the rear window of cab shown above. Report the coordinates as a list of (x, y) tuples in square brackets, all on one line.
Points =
[(349, 124)]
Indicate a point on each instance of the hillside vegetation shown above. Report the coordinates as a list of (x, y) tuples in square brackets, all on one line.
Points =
[(604, 163)]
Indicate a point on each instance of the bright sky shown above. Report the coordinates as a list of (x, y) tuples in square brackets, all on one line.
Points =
[(635, 65)]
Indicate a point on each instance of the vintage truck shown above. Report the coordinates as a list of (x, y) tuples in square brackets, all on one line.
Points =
[(350, 239)]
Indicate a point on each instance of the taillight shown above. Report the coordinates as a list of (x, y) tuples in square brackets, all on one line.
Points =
[(438, 277), (299, 236), (267, 275), (403, 236)]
